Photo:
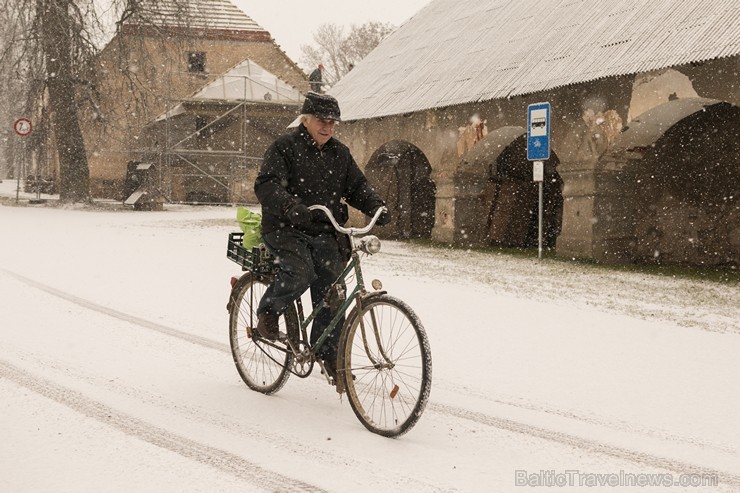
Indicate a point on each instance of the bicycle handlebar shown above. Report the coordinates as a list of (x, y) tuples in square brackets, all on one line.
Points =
[(350, 231)]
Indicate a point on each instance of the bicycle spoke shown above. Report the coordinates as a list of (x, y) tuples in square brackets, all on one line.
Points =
[(262, 366), (391, 383)]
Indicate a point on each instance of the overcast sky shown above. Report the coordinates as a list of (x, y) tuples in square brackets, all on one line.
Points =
[(292, 23)]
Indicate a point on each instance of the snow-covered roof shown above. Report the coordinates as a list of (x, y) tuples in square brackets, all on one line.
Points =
[(461, 51), (247, 81), (211, 14)]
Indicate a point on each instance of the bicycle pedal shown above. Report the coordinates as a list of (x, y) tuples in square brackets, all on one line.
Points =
[(329, 379)]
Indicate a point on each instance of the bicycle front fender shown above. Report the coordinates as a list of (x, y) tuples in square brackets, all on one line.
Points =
[(367, 296), (349, 319)]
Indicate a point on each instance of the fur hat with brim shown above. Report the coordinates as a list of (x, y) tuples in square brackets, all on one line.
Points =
[(321, 106)]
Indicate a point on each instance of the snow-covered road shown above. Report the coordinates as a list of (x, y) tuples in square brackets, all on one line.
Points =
[(115, 372)]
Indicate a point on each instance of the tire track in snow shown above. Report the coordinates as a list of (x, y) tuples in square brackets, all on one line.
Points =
[(595, 446), (619, 425), (413, 482), (220, 459), (236, 428), (163, 329)]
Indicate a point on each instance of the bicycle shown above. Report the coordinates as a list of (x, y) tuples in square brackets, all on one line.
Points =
[(384, 361)]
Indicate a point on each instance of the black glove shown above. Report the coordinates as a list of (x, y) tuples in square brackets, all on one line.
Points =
[(299, 215), (384, 218), (317, 216)]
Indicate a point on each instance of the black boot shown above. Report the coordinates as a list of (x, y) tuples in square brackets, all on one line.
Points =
[(267, 325)]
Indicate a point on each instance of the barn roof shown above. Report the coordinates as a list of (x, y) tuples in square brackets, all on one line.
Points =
[(463, 51)]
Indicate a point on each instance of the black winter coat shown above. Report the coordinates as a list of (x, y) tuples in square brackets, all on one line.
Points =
[(295, 170)]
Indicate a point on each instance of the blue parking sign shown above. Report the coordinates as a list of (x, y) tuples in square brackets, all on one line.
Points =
[(538, 131)]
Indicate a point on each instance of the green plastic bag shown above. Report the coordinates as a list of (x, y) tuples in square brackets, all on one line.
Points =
[(251, 224)]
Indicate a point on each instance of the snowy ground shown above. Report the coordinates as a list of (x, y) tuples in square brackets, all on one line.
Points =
[(115, 373)]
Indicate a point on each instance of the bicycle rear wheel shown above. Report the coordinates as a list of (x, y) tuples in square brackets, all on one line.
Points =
[(263, 365), (387, 384)]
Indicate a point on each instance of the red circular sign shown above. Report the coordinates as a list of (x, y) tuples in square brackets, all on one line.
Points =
[(22, 126)]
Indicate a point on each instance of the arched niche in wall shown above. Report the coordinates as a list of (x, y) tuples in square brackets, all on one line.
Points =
[(401, 174), (498, 170), (652, 89), (680, 182)]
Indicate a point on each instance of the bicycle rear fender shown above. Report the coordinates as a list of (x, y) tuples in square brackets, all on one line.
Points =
[(244, 279)]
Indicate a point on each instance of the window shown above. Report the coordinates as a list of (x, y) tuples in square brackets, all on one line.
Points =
[(197, 62)]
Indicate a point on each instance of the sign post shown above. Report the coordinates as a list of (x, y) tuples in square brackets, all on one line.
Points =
[(538, 150), (23, 128)]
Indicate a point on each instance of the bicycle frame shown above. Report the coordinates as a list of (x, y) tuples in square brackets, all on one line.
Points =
[(356, 295), (358, 292), (352, 266)]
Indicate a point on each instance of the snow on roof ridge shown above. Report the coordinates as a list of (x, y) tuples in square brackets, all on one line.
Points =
[(213, 14)]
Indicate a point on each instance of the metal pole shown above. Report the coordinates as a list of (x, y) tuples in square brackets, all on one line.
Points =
[(538, 172), (38, 181), (167, 157), (19, 169), (539, 224), (18, 188)]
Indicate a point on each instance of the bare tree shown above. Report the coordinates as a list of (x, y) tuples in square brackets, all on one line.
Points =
[(48, 53), (363, 39), (52, 47), (66, 48), (338, 52), (329, 39), (14, 79)]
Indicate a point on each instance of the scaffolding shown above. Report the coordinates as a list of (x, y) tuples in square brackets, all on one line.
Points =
[(247, 95), (181, 164)]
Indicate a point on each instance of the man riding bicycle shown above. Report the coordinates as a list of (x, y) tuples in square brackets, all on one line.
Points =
[(308, 167)]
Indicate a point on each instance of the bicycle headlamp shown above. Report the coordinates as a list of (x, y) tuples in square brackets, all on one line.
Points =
[(370, 244)]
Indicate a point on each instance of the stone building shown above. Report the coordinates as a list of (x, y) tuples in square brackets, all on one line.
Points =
[(159, 60), (645, 126)]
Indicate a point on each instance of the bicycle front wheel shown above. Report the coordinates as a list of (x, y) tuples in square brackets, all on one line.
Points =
[(263, 365), (387, 365)]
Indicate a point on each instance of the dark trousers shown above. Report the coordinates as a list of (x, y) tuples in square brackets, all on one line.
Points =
[(304, 261)]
